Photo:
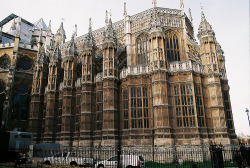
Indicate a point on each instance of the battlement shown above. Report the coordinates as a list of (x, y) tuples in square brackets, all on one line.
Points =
[(7, 45), (28, 46)]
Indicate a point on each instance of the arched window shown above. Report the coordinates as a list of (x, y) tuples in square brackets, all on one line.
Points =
[(79, 70), (172, 46), (20, 103), (4, 62), (143, 49), (24, 63)]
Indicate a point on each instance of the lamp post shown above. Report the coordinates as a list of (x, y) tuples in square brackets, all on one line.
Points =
[(247, 111)]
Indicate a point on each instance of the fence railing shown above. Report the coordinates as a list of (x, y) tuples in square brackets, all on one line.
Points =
[(100, 157)]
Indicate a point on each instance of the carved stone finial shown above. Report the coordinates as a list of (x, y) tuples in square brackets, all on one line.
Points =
[(90, 23), (154, 2), (49, 28), (190, 16), (18, 26), (202, 13), (110, 13), (40, 37), (125, 9), (182, 4), (106, 19), (201, 7), (75, 29)]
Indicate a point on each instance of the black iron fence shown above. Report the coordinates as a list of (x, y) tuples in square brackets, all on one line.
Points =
[(99, 157)]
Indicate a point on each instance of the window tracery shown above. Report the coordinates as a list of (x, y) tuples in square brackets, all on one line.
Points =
[(139, 108), (4, 62), (228, 113), (184, 105), (199, 106), (20, 103), (24, 63), (172, 47), (143, 49), (99, 110)]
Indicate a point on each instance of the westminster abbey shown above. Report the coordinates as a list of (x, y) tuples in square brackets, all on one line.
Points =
[(140, 81)]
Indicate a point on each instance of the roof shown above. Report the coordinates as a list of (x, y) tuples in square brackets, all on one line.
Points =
[(12, 16), (40, 24)]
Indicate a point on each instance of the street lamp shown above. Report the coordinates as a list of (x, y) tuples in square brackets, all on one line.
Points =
[(247, 111)]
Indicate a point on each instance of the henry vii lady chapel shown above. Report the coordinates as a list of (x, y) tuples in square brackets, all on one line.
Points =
[(142, 80)]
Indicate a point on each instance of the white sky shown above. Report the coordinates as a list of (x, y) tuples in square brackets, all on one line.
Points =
[(229, 19)]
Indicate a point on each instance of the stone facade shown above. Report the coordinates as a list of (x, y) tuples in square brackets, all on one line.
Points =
[(141, 81)]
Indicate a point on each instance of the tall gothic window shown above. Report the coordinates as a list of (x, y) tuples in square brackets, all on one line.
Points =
[(125, 109), (139, 107), (227, 107), (199, 106), (184, 105), (99, 108), (143, 49), (4, 62), (172, 47), (79, 70), (24, 63), (20, 103)]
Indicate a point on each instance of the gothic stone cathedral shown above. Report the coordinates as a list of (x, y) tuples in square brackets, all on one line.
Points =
[(140, 81)]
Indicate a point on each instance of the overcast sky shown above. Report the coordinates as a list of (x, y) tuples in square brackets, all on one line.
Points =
[(229, 19)]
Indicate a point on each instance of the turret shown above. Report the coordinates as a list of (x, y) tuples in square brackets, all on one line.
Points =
[(87, 99), (49, 38), (110, 76), (109, 51), (208, 43), (127, 35), (156, 39), (88, 56), (60, 35)]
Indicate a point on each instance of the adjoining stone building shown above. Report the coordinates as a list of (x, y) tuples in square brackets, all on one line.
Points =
[(140, 81)]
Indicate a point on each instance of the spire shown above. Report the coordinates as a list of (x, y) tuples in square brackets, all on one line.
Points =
[(49, 28), (181, 4), (190, 16), (41, 57), (71, 49), (89, 40), (106, 20), (18, 27), (204, 27), (154, 2), (41, 37), (182, 7), (61, 31), (125, 9), (75, 32), (202, 13), (56, 53), (109, 33)]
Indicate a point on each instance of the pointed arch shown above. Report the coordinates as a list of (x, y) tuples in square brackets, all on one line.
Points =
[(5, 61), (25, 63), (172, 46), (21, 99), (142, 45)]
